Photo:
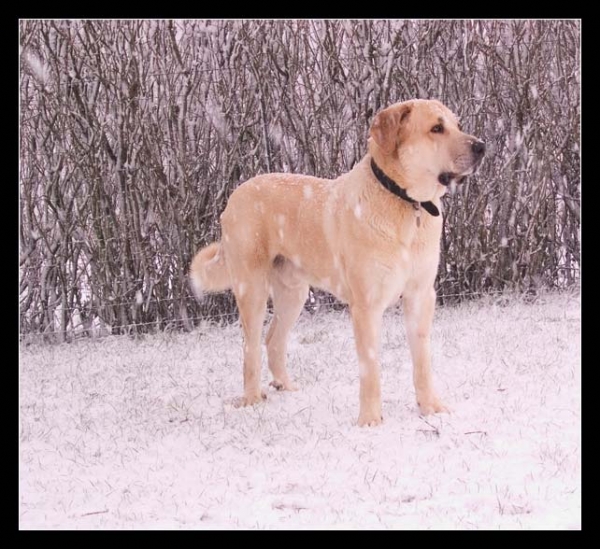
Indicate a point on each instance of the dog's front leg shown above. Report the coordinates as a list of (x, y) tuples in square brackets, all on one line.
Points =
[(419, 306), (366, 323)]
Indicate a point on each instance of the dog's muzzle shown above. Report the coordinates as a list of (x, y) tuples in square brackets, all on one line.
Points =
[(477, 151)]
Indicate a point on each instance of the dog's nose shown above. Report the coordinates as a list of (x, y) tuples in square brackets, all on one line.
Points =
[(478, 148)]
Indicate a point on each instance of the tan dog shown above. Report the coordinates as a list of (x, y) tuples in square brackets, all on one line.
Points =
[(368, 237)]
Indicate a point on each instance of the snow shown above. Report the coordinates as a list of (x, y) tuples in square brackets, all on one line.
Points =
[(216, 116), (534, 91), (120, 433), (37, 66), (277, 134)]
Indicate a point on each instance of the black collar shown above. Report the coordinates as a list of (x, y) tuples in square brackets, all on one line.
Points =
[(393, 187)]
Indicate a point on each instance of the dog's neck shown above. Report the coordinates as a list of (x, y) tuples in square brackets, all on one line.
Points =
[(394, 188)]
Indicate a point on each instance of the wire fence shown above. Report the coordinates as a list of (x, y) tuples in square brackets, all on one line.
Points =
[(95, 327)]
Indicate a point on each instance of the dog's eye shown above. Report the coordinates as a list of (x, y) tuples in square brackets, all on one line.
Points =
[(438, 128)]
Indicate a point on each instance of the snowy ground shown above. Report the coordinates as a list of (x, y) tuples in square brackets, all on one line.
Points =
[(123, 434)]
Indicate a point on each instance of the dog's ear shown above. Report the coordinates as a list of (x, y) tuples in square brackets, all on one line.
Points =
[(386, 127)]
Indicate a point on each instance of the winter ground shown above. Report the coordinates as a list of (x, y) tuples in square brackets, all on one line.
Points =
[(124, 434)]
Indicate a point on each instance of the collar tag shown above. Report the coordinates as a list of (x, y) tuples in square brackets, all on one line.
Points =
[(417, 208)]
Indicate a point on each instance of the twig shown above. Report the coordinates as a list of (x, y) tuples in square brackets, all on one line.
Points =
[(95, 513), (434, 429)]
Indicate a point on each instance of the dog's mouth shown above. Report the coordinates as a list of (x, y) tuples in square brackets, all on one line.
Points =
[(446, 178)]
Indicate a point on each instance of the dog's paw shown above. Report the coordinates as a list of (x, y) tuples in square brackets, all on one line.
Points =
[(249, 400), (432, 405), (283, 385), (369, 420)]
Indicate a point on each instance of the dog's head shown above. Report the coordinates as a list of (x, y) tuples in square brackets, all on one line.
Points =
[(419, 145)]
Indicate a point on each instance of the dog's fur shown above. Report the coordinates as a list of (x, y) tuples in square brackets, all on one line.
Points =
[(349, 236)]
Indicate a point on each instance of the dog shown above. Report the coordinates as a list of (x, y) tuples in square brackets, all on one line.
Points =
[(368, 237)]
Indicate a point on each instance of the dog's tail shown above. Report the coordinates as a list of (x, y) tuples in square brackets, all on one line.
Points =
[(208, 271)]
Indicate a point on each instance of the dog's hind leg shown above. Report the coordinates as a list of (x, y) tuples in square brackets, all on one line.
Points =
[(289, 295), (251, 297)]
